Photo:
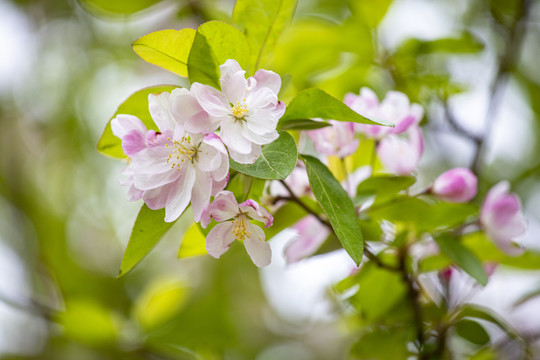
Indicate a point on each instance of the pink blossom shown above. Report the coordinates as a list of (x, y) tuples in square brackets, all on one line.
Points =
[(235, 224), (311, 235), (394, 109), (337, 139), (456, 185), (248, 110), (171, 167), (502, 219), (297, 181), (401, 155)]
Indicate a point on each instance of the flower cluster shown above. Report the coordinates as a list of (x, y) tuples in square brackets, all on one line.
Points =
[(187, 162)]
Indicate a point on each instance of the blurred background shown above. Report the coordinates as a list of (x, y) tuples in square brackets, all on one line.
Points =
[(65, 66)]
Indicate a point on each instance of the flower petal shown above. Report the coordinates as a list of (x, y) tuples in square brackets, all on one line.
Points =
[(246, 158), (211, 100), (256, 212), (268, 79), (122, 124), (200, 194), (224, 206), (189, 112), (219, 239), (259, 250), (180, 194), (160, 109)]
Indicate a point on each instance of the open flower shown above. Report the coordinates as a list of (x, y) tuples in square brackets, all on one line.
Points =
[(337, 139), (401, 155), (248, 110), (394, 109), (235, 224), (171, 167), (456, 185), (502, 219)]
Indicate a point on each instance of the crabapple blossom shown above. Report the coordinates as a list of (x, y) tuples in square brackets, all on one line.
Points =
[(501, 217), (456, 185), (247, 109), (234, 224), (394, 109), (172, 167), (401, 155), (337, 139)]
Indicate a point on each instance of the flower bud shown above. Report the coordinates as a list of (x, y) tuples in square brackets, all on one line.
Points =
[(502, 219), (457, 185)]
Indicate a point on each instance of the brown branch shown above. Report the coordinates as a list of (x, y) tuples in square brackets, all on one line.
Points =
[(516, 35)]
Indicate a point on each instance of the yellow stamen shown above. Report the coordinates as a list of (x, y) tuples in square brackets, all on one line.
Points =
[(239, 229), (181, 151), (239, 110)]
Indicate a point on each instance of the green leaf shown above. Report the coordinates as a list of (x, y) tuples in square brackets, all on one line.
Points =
[(370, 12), (302, 124), (526, 297), (262, 21), (276, 162), (424, 216), (472, 331), (168, 49), (315, 103), (337, 205), (480, 312), (466, 43), (101, 326), (384, 184), (193, 242), (214, 43), (462, 257), (159, 302), (379, 290), (287, 215), (137, 105), (383, 344), (148, 229), (116, 8)]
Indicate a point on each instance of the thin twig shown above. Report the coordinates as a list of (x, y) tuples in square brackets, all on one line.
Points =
[(297, 200), (507, 62), (415, 302)]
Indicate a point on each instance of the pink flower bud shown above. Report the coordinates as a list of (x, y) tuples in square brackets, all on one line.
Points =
[(502, 219), (457, 185)]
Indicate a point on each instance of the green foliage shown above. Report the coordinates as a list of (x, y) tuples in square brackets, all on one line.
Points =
[(370, 12), (160, 300), (379, 291), (315, 103), (462, 257), (214, 43), (302, 124), (136, 105), (422, 215), (382, 343), (383, 186), (168, 49), (472, 331), (148, 229), (116, 8), (193, 243), (483, 313), (276, 162), (101, 325), (262, 21), (337, 205)]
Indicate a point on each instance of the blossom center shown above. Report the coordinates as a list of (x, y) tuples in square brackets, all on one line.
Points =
[(239, 229), (180, 151), (239, 110)]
